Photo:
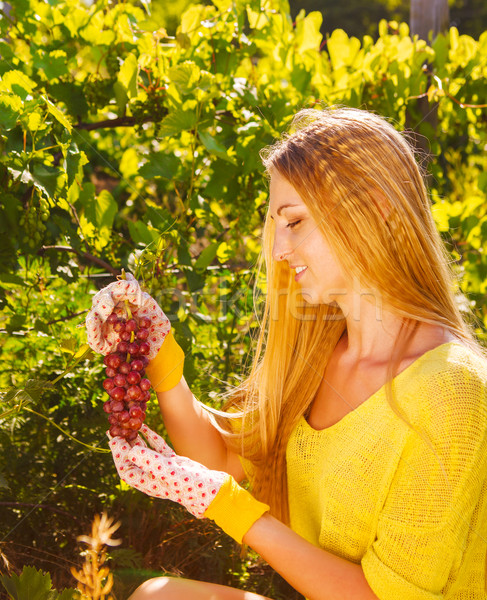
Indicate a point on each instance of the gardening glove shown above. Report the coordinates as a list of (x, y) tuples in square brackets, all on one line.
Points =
[(166, 357), (158, 471)]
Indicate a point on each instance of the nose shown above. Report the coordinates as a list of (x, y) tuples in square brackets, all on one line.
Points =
[(280, 249)]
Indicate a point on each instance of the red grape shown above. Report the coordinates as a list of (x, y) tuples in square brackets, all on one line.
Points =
[(135, 423), (142, 334), (113, 361), (131, 435), (144, 385), (137, 365), (119, 326), (126, 385), (144, 348), (133, 378), (131, 325), (122, 347), (125, 336), (125, 368), (117, 406), (116, 430), (120, 380), (134, 392), (124, 416), (108, 384), (118, 393), (136, 412), (144, 323), (133, 348)]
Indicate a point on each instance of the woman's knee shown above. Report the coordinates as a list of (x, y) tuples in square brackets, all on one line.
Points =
[(175, 588), (153, 589)]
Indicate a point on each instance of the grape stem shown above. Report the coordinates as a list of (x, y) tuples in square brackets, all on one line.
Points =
[(129, 316)]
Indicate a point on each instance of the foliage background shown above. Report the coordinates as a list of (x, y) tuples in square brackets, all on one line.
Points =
[(130, 137)]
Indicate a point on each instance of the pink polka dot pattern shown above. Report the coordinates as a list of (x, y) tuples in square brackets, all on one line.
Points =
[(102, 337), (159, 472)]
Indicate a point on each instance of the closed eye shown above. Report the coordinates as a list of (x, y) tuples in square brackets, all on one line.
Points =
[(293, 224)]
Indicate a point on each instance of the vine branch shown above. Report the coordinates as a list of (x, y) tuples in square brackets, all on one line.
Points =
[(86, 255), (125, 121)]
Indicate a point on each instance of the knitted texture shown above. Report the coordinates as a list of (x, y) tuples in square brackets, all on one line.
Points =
[(101, 336), (412, 509)]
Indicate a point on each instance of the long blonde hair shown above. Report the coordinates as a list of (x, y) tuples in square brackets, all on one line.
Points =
[(360, 180)]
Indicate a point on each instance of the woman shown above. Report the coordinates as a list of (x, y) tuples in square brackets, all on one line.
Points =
[(362, 426)]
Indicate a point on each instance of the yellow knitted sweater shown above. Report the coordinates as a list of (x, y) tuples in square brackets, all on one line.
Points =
[(412, 512)]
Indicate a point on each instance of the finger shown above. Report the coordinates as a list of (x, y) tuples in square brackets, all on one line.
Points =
[(156, 441)]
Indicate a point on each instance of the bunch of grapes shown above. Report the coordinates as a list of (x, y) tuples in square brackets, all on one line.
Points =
[(129, 391)]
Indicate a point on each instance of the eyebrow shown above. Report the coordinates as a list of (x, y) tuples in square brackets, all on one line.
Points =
[(284, 206)]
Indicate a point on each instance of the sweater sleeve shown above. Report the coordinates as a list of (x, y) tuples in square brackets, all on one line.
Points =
[(423, 528)]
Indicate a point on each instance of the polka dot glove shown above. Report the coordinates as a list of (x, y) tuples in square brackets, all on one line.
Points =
[(160, 472), (101, 336)]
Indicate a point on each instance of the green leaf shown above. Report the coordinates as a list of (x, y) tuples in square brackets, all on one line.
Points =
[(72, 95), (9, 281), (214, 146), (18, 83), (74, 159), (48, 179), (102, 210), (96, 221), (127, 76), (206, 257), (121, 97), (159, 218), (185, 77), (57, 114), (175, 123), (33, 585), (10, 107), (308, 36), (160, 165), (141, 234), (343, 50), (53, 64)]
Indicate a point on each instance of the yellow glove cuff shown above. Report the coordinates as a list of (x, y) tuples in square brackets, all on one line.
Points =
[(234, 509), (166, 368)]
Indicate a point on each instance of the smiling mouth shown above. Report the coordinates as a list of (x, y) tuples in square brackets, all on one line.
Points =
[(300, 269)]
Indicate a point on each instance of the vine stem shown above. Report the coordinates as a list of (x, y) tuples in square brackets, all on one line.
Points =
[(93, 448)]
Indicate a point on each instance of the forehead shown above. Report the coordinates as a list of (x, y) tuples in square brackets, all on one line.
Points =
[(282, 195)]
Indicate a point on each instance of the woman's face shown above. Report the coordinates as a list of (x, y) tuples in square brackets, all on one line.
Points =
[(299, 241)]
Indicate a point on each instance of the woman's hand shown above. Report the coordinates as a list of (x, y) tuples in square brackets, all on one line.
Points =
[(158, 471), (102, 337), (166, 357)]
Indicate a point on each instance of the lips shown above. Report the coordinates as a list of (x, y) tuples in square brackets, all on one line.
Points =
[(300, 271)]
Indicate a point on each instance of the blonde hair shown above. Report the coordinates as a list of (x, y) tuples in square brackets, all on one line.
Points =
[(360, 180)]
